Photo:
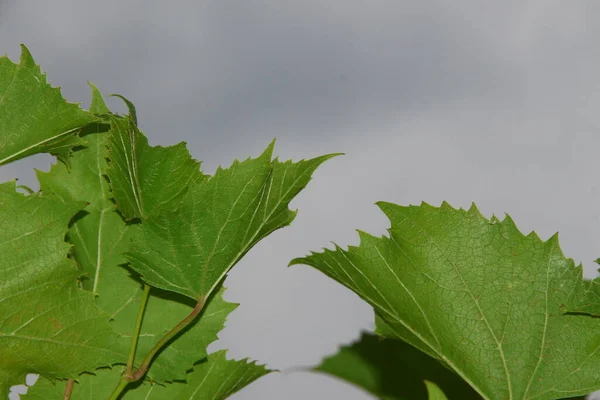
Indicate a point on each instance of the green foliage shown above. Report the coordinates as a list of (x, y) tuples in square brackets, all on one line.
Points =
[(111, 274), (479, 297)]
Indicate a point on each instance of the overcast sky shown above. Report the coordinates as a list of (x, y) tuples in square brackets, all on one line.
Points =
[(495, 103)]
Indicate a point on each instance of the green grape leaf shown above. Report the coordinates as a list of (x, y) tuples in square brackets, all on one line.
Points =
[(100, 236), (47, 325), (478, 295), (145, 179), (393, 370), (34, 117), (216, 378), (190, 250)]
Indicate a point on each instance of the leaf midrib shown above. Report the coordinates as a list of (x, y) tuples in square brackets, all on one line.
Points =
[(431, 239)]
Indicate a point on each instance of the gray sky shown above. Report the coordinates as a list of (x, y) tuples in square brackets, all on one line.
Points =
[(491, 102)]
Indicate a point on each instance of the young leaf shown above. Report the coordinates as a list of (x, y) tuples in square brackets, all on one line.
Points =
[(47, 325), (391, 369), (478, 295), (146, 179), (190, 250), (216, 378), (34, 117)]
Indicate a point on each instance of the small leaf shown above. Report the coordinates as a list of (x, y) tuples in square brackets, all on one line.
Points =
[(190, 250), (47, 325), (34, 117), (481, 297), (391, 369)]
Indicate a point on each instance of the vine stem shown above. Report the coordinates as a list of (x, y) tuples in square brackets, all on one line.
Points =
[(141, 371), (68, 389), (124, 381)]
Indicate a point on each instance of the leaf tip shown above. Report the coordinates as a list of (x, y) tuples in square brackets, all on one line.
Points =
[(268, 153), (26, 57), (130, 106), (98, 105)]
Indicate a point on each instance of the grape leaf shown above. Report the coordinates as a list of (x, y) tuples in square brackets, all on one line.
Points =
[(478, 295), (34, 117), (145, 179), (47, 325), (190, 250), (393, 370), (100, 236), (216, 378)]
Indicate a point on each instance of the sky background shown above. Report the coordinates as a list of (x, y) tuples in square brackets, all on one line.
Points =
[(467, 101)]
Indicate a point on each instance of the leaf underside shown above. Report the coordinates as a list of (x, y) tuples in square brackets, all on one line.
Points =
[(479, 296), (99, 236), (47, 325), (34, 117), (190, 250), (145, 179), (216, 378)]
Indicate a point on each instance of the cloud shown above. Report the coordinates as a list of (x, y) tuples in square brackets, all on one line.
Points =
[(495, 103)]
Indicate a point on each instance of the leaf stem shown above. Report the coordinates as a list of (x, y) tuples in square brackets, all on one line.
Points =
[(141, 371), (126, 376), (136, 331), (68, 389), (119, 389)]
